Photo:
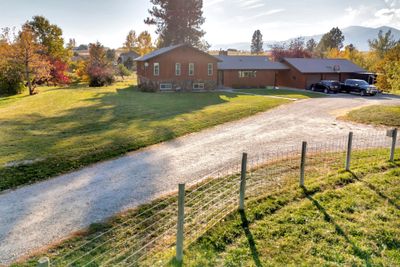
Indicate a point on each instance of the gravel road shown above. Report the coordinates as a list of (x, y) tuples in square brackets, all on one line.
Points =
[(40, 214)]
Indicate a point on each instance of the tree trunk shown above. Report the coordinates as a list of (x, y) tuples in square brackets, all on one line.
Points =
[(28, 80)]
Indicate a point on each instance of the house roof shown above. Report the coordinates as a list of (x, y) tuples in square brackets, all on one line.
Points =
[(164, 50), (248, 63), (321, 65), (130, 54)]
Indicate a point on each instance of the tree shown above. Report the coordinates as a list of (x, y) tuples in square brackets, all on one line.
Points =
[(111, 55), (131, 42), (332, 39), (177, 21), (145, 44), (257, 43), (99, 69), (389, 69), (122, 71), (49, 36), (383, 43), (29, 54), (311, 45), (82, 47), (11, 73), (294, 49), (71, 43)]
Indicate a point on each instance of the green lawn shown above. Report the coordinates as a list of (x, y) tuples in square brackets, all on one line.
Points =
[(62, 129), (288, 93), (339, 219), (376, 115)]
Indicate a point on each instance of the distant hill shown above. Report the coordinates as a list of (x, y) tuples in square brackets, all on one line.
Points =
[(356, 35)]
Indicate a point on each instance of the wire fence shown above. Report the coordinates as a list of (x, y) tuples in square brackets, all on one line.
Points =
[(148, 236)]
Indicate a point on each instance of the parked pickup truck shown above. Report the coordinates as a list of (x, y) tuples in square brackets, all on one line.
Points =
[(358, 86)]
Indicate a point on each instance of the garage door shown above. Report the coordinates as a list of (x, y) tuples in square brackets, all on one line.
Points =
[(313, 78)]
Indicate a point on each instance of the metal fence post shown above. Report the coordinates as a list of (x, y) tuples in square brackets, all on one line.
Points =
[(43, 262), (349, 147), (303, 162), (243, 181), (393, 148), (180, 224)]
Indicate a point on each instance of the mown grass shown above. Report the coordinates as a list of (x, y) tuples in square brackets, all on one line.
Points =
[(342, 219), (376, 115), (339, 218), (287, 93), (63, 129)]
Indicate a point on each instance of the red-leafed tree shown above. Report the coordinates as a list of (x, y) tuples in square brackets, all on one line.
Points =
[(294, 49), (58, 72)]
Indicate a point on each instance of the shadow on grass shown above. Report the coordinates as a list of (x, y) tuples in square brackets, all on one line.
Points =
[(87, 134), (328, 218), (376, 190), (250, 239)]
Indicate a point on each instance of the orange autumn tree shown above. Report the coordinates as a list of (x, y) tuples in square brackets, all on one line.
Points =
[(29, 54)]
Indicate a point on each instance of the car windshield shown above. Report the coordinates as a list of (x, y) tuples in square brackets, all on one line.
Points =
[(331, 82), (361, 82)]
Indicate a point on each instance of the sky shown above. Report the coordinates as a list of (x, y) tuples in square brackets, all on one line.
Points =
[(227, 21)]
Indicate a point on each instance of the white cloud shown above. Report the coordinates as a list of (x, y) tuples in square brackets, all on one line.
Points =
[(370, 16)]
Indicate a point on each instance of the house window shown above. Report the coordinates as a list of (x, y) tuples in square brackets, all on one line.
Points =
[(178, 69), (210, 69), (247, 74), (191, 69), (198, 86), (165, 86), (156, 69)]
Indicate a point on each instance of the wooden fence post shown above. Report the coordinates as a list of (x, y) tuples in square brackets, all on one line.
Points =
[(180, 224), (349, 147), (43, 262), (394, 140), (243, 181), (303, 162)]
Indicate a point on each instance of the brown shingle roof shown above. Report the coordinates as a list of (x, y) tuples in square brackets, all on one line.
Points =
[(322, 65), (248, 63)]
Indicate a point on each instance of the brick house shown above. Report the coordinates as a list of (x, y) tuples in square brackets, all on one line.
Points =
[(178, 67), (182, 67), (305, 71)]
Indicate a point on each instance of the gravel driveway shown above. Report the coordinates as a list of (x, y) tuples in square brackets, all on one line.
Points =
[(39, 214)]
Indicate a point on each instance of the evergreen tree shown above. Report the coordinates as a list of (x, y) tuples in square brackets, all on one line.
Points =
[(177, 21), (311, 45), (257, 43), (383, 43), (332, 39)]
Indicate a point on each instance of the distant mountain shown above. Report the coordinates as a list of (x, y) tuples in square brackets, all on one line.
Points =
[(356, 35)]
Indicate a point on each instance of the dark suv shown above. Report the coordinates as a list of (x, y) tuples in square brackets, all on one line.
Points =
[(326, 86), (359, 86)]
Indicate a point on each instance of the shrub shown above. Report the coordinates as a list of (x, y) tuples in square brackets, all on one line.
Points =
[(59, 72), (122, 71), (100, 75), (11, 80)]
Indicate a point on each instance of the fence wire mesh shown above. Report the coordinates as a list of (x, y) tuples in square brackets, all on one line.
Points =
[(146, 236)]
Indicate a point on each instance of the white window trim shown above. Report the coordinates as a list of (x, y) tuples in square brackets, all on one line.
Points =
[(176, 69), (191, 74), (198, 86), (154, 69), (167, 86), (210, 71)]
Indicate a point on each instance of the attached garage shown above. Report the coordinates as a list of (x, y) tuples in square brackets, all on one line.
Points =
[(312, 78), (306, 71)]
